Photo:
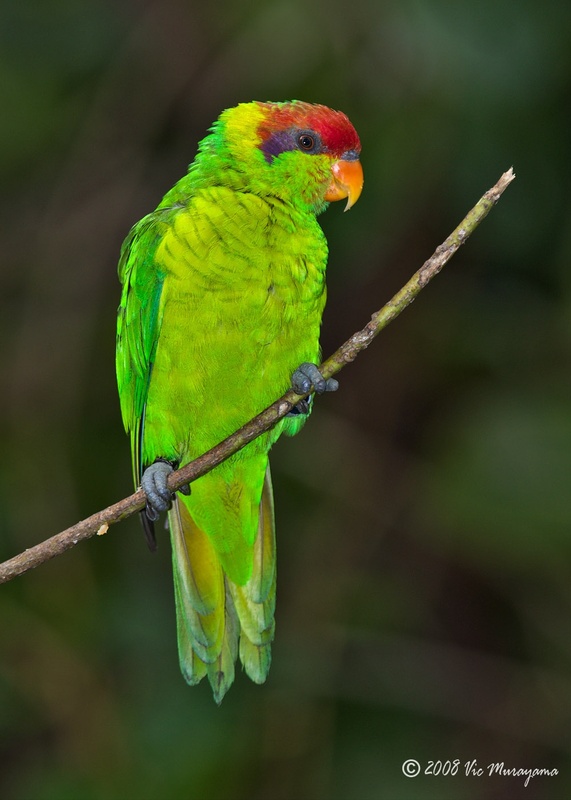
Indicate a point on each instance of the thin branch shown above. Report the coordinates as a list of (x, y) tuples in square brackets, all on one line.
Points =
[(99, 523)]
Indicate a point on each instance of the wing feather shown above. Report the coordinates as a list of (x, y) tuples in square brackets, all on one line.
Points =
[(138, 324)]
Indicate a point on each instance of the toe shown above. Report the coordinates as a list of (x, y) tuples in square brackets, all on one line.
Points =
[(154, 484), (151, 512), (306, 376), (302, 407)]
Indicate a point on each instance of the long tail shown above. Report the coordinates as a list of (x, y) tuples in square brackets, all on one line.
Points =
[(216, 618)]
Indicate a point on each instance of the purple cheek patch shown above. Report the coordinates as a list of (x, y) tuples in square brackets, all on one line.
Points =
[(276, 143)]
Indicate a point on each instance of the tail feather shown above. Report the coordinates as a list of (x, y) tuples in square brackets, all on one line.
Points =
[(192, 667), (256, 619), (255, 602), (221, 672), (199, 586), (256, 659), (263, 580), (203, 576), (217, 619)]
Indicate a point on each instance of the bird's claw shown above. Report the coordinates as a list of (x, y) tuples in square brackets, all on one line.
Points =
[(301, 408), (154, 483), (308, 375)]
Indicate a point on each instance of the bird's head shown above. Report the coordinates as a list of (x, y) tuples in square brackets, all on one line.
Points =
[(302, 153)]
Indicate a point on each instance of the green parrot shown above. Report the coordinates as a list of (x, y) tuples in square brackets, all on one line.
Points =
[(223, 289)]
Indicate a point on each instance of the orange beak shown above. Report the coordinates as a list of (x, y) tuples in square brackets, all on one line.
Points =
[(347, 182)]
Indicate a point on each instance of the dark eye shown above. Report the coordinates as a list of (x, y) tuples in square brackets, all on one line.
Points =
[(306, 141)]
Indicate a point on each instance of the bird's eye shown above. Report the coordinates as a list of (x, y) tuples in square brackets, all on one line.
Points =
[(306, 141)]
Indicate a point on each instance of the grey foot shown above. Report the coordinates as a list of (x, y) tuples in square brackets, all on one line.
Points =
[(307, 375), (154, 485)]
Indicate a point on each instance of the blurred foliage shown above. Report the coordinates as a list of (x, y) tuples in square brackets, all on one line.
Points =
[(423, 516)]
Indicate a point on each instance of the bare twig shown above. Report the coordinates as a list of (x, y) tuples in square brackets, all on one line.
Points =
[(99, 523)]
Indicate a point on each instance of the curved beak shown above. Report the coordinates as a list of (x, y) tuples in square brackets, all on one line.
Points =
[(347, 181)]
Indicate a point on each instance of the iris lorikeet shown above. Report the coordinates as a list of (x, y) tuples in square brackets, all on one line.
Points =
[(223, 292)]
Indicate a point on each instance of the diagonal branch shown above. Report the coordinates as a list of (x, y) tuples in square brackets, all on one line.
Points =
[(99, 523)]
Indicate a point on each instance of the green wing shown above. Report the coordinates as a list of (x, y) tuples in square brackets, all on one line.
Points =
[(138, 324)]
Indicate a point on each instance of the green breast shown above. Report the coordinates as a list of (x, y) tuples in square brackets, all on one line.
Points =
[(241, 308)]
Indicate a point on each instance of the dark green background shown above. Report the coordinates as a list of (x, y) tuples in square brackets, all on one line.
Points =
[(424, 514)]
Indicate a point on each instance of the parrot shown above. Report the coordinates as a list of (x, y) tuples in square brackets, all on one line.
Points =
[(223, 290)]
